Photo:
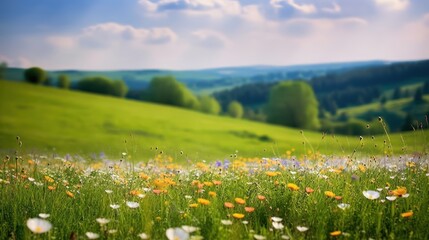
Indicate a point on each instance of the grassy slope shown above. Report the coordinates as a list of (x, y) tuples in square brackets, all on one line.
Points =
[(49, 119)]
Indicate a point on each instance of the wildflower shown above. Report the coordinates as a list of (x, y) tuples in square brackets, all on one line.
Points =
[(278, 225), (102, 221), (188, 197), (261, 197), (114, 206), (228, 205), (193, 205), (212, 194), (292, 186), (302, 228), (37, 225), (92, 235), (143, 236), (157, 191), (44, 215), (343, 206), (49, 179), (285, 237), (338, 198), (399, 191), (203, 201), (329, 194), (276, 219), (133, 204), (249, 209), (70, 194), (370, 194), (309, 190), (240, 201), (208, 184), (238, 215), (245, 222), (31, 179), (190, 229), (271, 174), (226, 222), (391, 198), (112, 231), (407, 214), (135, 192), (362, 168), (176, 234), (259, 237), (335, 233), (108, 191), (51, 188), (215, 182)]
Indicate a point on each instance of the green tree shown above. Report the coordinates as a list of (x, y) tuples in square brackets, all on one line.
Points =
[(64, 81), (167, 90), (397, 93), (120, 89), (293, 104), (209, 105), (409, 123), (3, 68), (35, 75), (418, 95), (426, 87), (235, 109)]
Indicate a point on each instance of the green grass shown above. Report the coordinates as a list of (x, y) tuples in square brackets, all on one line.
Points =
[(51, 120)]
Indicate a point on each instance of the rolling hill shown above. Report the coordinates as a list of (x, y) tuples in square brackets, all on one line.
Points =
[(50, 120)]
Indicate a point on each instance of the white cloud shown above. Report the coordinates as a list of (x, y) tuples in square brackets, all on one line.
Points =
[(393, 5), (210, 39), (113, 33), (20, 62), (304, 8), (334, 9)]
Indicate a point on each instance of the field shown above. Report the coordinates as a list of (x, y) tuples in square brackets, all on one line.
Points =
[(63, 122), (82, 166)]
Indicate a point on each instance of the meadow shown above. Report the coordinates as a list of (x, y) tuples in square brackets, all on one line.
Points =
[(82, 166)]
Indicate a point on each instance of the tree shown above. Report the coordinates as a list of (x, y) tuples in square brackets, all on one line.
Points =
[(383, 100), (409, 123), (293, 104), (167, 90), (209, 105), (3, 68), (426, 87), (418, 96), (103, 85), (235, 109), (397, 94), (120, 89), (35, 75), (63, 81)]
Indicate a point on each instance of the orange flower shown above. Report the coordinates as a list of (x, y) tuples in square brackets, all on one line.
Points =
[(238, 215), (212, 194), (193, 205), (228, 205), (407, 214), (51, 188), (335, 233), (157, 191), (338, 198), (215, 182), (70, 194), (399, 191), (203, 201), (309, 190), (249, 209), (135, 192), (329, 194), (261, 197), (143, 176), (293, 186), (240, 201)]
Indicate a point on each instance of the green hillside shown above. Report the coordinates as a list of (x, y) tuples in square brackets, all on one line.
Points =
[(50, 120)]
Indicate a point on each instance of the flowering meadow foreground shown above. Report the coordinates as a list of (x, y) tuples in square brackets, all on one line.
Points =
[(281, 198)]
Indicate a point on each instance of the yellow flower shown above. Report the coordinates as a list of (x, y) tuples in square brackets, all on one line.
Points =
[(203, 201), (271, 174), (407, 214), (49, 179), (70, 194), (208, 184), (329, 194), (293, 186), (212, 194), (193, 205), (51, 188), (335, 233), (238, 215), (362, 168), (240, 201)]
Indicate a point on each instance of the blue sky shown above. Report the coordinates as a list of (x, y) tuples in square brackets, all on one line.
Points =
[(195, 34)]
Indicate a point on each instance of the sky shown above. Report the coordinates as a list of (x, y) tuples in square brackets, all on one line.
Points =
[(197, 34)]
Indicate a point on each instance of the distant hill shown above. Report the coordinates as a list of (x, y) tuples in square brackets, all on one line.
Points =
[(209, 80)]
